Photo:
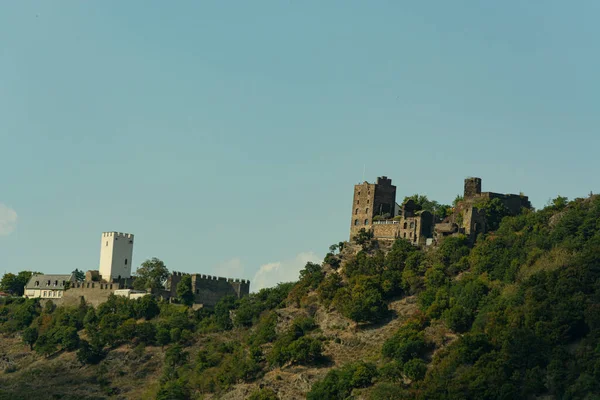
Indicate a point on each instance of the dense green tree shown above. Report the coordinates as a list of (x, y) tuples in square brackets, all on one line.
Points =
[(152, 274), (329, 287), (362, 300), (79, 275), (146, 333), (15, 284), (29, 336), (163, 335), (185, 294), (263, 394), (339, 383), (175, 356), (223, 312), (46, 344), (363, 237), (173, 390), (415, 369), (90, 353), (146, 307)]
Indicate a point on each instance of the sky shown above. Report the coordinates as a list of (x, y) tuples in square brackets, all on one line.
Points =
[(227, 136)]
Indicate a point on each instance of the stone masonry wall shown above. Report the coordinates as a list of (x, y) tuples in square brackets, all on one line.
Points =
[(94, 293), (386, 231), (208, 290)]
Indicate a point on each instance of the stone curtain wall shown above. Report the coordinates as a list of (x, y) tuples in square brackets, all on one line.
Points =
[(208, 290), (94, 293)]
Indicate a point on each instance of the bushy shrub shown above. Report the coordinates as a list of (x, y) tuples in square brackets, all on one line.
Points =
[(338, 383), (263, 394)]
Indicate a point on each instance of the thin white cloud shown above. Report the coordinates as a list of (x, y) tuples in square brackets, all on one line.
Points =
[(8, 220), (272, 273)]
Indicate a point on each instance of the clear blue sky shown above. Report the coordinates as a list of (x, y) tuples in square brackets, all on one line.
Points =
[(228, 135)]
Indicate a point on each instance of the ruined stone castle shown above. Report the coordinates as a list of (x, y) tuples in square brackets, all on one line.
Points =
[(374, 209)]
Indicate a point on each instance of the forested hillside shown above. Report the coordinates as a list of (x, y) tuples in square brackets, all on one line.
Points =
[(515, 316)]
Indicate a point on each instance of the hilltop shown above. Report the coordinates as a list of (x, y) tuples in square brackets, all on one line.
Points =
[(513, 313)]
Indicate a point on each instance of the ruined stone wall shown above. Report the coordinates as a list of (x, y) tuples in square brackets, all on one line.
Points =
[(513, 202)]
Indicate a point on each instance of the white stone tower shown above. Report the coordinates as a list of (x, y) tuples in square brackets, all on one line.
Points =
[(116, 251)]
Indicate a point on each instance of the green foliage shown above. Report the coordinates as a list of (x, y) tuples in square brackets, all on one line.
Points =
[(415, 369), (362, 300), (363, 238), (332, 260), (423, 203), (79, 275), (494, 210), (146, 307), (329, 287), (46, 344), (146, 333), (173, 390), (263, 394), (250, 308), (338, 383), (91, 353), (457, 200), (265, 330), (30, 336), (185, 294), (295, 347), (222, 312), (49, 307), (175, 356), (388, 391), (559, 203), (15, 284), (152, 274), (407, 343), (310, 277)]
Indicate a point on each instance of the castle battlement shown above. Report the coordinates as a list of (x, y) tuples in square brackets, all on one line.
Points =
[(95, 285), (118, 235), (208, 289)]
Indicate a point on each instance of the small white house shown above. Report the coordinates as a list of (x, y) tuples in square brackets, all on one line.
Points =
[(47, 286)]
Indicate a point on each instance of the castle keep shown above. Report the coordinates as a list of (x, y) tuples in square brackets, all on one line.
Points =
[(374, 209)]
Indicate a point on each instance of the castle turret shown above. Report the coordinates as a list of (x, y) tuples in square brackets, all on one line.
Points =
[(472, 187)]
